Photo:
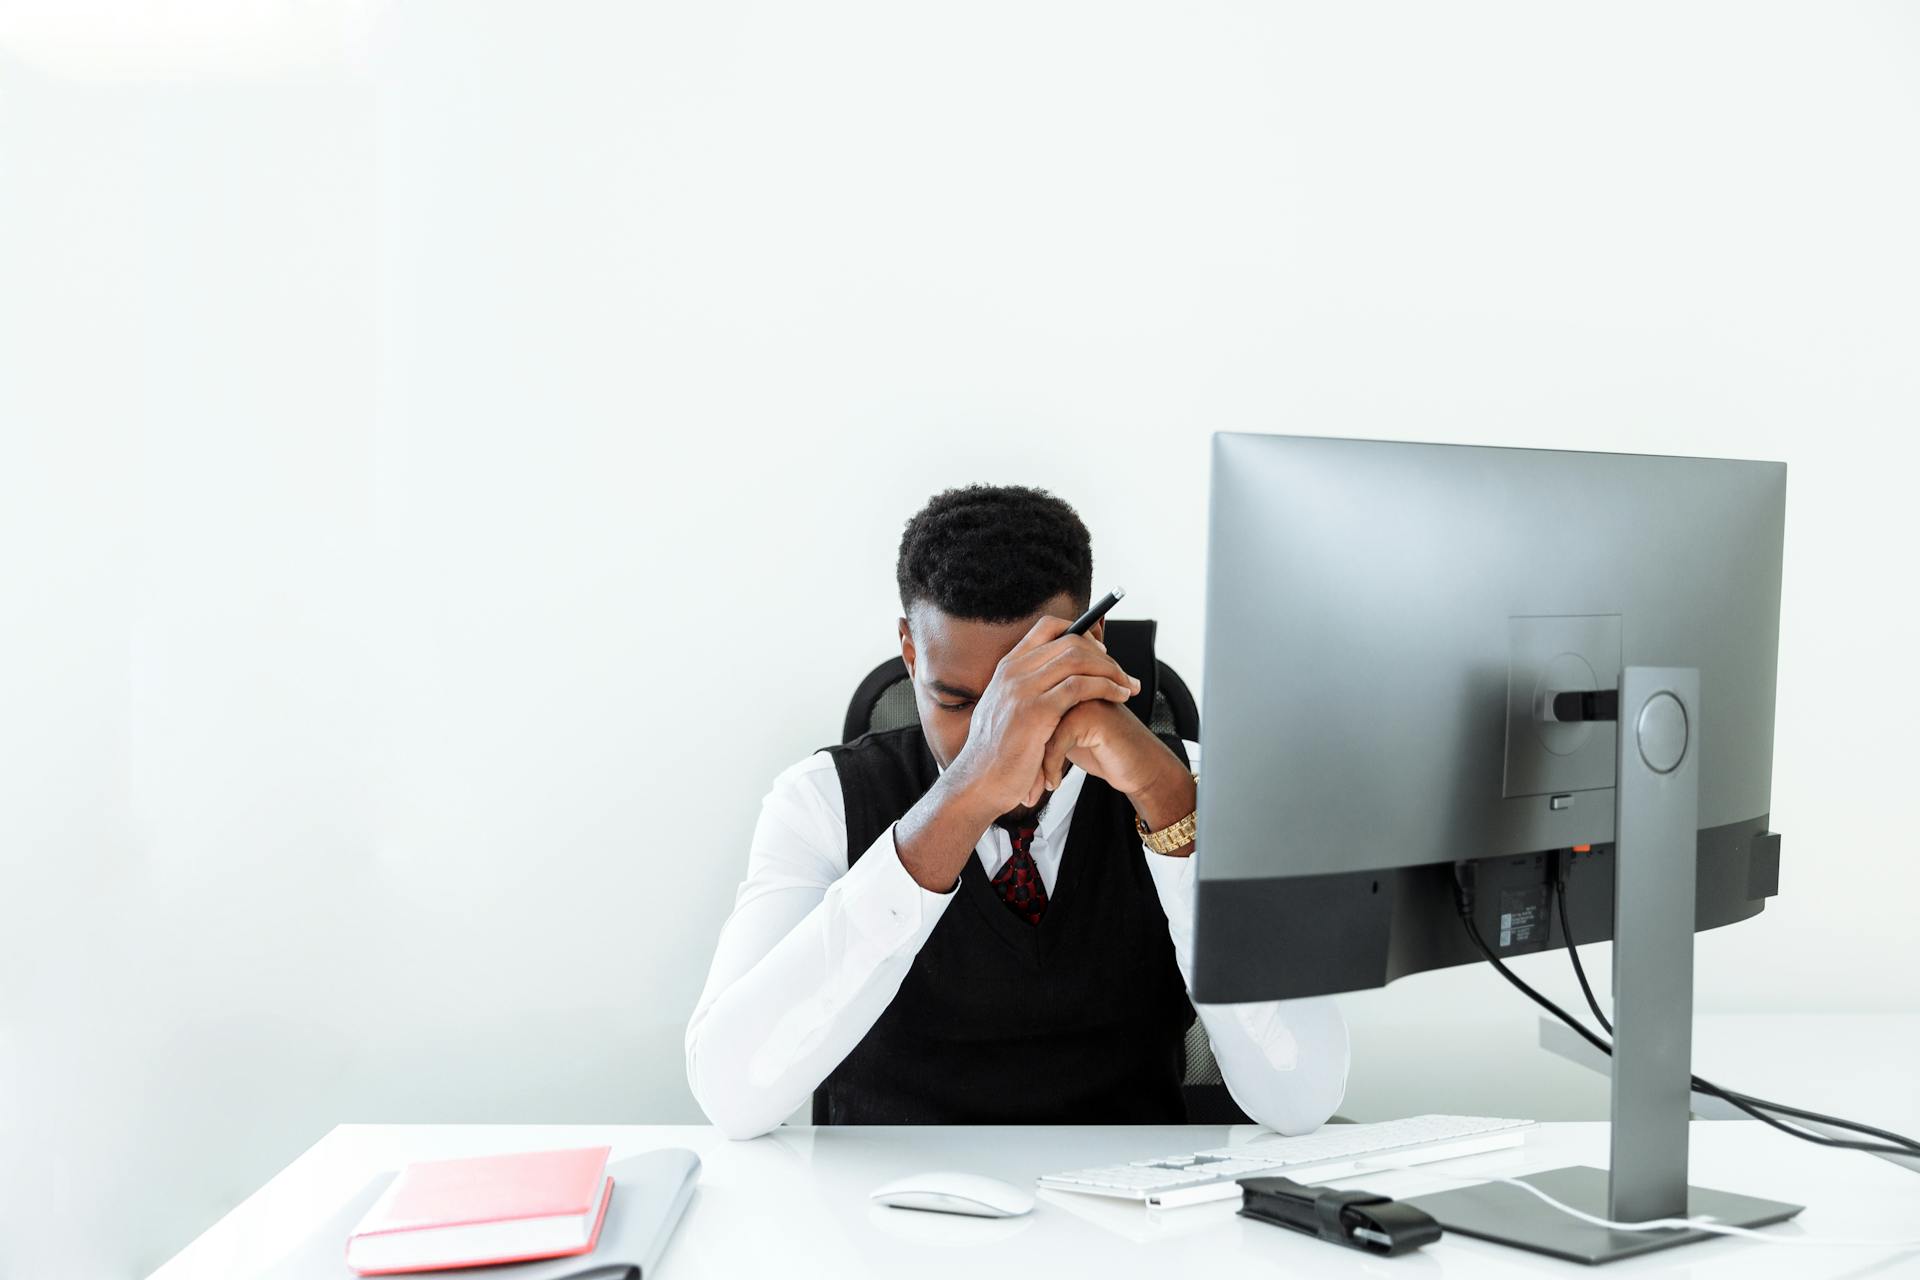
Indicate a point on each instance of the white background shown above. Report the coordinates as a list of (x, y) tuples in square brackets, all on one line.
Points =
[(452, 456)]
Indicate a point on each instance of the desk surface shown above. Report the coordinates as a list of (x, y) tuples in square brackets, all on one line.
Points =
[(794, 1204)]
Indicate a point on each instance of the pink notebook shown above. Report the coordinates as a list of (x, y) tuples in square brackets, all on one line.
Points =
[(483, 1210)]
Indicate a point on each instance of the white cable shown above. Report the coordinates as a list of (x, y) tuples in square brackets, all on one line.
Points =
[(1654, 1224)]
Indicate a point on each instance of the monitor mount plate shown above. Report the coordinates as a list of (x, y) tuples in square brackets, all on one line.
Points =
[(1556, 654)]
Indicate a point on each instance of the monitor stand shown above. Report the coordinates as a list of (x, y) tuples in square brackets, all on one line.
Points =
[(1657, 802)]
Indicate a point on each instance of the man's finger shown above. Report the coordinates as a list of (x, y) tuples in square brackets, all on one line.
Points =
[(1076, 689), (1053, 765), (1079, 660), (1045, 628)]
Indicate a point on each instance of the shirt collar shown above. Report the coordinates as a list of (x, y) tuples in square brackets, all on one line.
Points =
[(1060, 808)]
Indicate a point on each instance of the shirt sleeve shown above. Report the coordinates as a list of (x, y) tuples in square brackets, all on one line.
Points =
[(1284, 1061), (811, 955)]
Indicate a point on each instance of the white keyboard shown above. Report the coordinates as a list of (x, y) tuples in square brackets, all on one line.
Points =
[(1334, 1151)]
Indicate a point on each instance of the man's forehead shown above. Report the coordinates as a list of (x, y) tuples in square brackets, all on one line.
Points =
[(961, 650), (962, 644)]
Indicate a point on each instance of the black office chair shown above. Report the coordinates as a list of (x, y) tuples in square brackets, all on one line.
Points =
[(884, 700)]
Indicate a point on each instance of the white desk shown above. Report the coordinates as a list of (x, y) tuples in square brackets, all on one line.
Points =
[(794, 1205)]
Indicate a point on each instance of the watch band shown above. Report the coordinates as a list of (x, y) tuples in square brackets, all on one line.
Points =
[(1167, 839)]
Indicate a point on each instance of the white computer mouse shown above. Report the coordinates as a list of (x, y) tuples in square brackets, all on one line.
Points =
[(949, 1192)]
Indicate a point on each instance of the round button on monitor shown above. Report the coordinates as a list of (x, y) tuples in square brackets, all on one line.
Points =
[(1662, 731)]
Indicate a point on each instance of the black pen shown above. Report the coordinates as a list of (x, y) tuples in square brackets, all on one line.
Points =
[(1084, 623)]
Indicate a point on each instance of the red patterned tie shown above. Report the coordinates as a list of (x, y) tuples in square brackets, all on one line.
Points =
[(1019, 883)]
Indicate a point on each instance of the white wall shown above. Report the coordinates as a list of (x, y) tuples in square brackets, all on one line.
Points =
[(451, 457)]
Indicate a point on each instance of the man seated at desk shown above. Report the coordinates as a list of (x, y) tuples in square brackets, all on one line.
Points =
[(959, 922)]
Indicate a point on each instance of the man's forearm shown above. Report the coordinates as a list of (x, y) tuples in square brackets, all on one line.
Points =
[(1166, 797), (806, 963), (937, 835)]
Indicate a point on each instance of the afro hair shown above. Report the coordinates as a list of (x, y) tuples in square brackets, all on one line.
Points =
[(994, 553)]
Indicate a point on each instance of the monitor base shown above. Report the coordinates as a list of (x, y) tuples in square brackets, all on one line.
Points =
[(1507, 1215)]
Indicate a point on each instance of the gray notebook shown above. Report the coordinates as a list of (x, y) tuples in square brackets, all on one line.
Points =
[(649, 1194)]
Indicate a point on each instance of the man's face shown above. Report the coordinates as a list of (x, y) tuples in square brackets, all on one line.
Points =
[(951, 661)]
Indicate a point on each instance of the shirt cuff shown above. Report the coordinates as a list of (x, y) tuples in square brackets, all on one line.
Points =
[(1173, 880), (885, 904)]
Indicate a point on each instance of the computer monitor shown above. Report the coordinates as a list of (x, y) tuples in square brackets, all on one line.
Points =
[(1415, 655)]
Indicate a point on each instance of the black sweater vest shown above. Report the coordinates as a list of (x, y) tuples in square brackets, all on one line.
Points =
[(1080, 1019)]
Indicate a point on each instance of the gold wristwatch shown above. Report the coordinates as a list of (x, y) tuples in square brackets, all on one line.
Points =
[(1167, 839)]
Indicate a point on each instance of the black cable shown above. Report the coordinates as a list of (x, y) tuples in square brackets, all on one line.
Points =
[(1701, 1083), (1603, 1046), (1463, 899), (1586, 989), (1566, 932), (1745, 1102)]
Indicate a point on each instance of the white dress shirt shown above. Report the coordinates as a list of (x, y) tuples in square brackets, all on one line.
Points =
[(813, 953)]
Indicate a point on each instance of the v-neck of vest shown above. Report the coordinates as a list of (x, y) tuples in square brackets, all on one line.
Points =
[(1032, 942)]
